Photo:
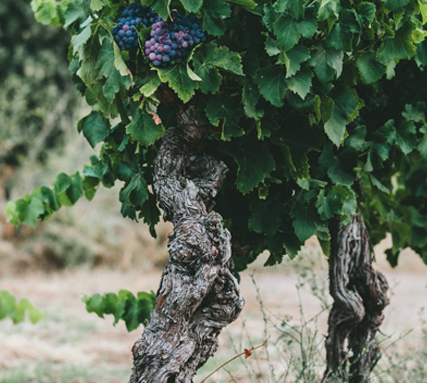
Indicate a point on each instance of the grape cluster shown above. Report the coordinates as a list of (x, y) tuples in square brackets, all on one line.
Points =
[(173, 39), (125, 34)]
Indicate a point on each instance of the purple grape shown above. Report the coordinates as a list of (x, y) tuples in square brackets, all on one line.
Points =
[(125, 27), (147, 51), (156, 62), (147, 44), (152, 56)]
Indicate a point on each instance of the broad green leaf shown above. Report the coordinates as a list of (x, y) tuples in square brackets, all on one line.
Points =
[(265, 216), (30, 209), (96, 5), (339, 170), (329, 8), (215, 12), (326, 108), (250, 4), (341, 35), (179, 81), (93, 128), (270, 16), (161, 7), (398, 47), (422, 146), (406, 137), (105, 62), (143, 128), (271, 46), (114, 83), (119, 62), (294, 7), (250, 97), (45, 11), (378, 184), (95, 304), (151, 85), (327, 63), (136, 192), (305, 219), (370, 69), (209, 59), (296, 56), (394, 4), (344, 106), (253, 165), (81, 39), (272, 84), (301, 82), (192, 5), (73, 13), (415, 113), (367, 12), (225, 109)]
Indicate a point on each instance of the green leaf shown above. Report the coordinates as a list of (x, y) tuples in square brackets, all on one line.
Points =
[(271, 46), (161, 7), (250, 4), (287, 33), (192, 5), (73, 13), (327, 63), (296, 56), (215, 12), (82, 38), (253, 165), (272, 83), (265, 216), (179, 81), (209, 59), (114, 83), (415, 113), (294, 7), (329, 8), (370, 69), (398, 47), (45, 11), (406, 137), (301, 82), (395, 4), (68, 188), (30, 208), (105, 61), (344, 106), (250, 97), (119, 62), (326, 108), (228, 110), (305, 219), (93, 128), (339, 170), (328, 204), (136, 192), (144, 129), (341, 35), (151, 85), (422, 146), (95, 304), (96, 5)]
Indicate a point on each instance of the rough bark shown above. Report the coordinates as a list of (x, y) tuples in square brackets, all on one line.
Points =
[(198, 295), (359, 294)]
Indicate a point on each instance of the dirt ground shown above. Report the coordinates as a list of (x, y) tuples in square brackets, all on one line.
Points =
[(70, 345)]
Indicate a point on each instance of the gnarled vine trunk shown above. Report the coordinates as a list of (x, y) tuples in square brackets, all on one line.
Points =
[(360, 296), (198, 295)]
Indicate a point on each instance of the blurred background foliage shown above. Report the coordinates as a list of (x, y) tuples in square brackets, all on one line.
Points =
[(39, 111)]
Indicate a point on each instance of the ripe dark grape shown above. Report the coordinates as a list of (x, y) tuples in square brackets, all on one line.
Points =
[(125, 34), (173, 39)]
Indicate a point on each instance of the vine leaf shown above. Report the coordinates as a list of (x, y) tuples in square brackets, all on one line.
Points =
[(136, 192), (225, 108), (305, 219), (370, 69), (344, 106), (253, 165), (215, 12), (326, 63), (178, 79), (398, 47), (192, 5), (265, 216), (296, 56), (144, 129), (272, 83), (93, 128), (301, 82)]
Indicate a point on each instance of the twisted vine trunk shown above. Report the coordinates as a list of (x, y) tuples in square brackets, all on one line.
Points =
[(198, 295), (360, 296)]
